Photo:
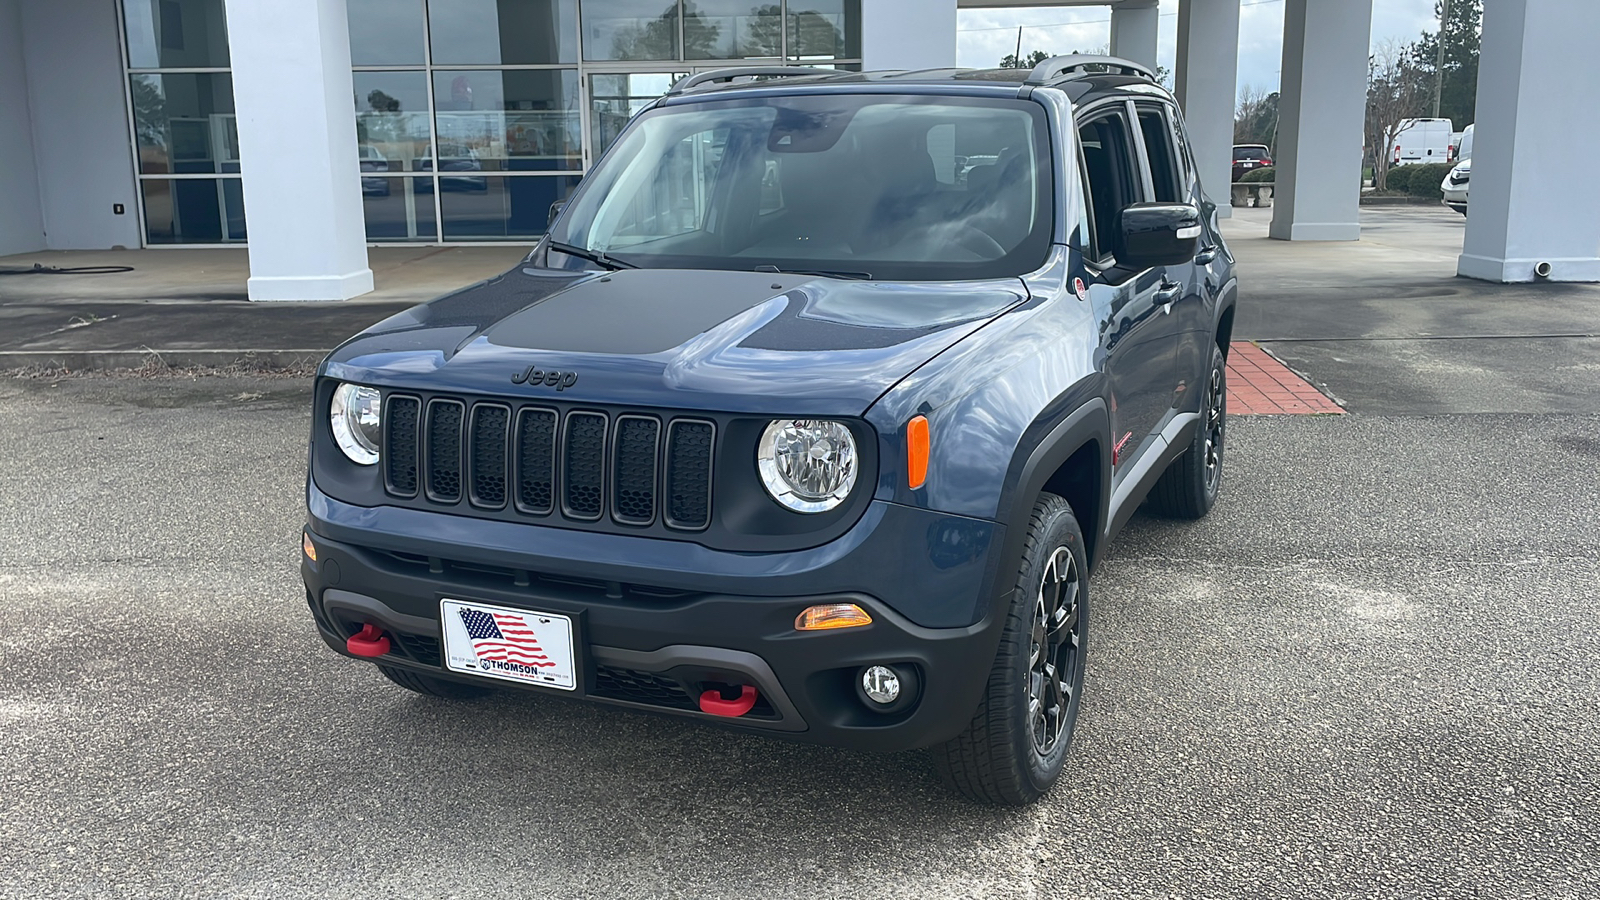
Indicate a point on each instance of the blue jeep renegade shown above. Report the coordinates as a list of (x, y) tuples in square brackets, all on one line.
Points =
[(810, 415)]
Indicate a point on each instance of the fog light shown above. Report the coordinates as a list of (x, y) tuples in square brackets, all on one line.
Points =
[(881, 684), (309, 548), (832, 615)]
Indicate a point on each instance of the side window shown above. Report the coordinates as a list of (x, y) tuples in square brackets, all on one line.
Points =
[(1108, 175), (1163, 156)]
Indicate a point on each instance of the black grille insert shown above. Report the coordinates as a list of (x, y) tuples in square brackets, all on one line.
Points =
[(536, 461), (641, 687), (444, 450), (689, 474), (490, 426), (583, 463), (633, 491), (400, 445)]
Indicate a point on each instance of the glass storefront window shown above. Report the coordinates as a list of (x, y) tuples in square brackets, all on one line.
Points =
[(512, 119), (499, 207), (824, 29), (192, 210), (398, 209), (185, 123), (731, 29), (630, 29), (613, 100), (176, 34), (391, 120), (503, 32), (386, 32)]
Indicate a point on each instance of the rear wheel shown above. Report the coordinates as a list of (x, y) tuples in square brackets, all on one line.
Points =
[(1013, 750), (433, 687), (1188, 488)]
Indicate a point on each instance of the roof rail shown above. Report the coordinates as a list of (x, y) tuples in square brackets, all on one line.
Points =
[(727, 76), (1077, 64)]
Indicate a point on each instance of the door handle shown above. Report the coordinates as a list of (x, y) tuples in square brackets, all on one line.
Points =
[(1205, 256), (1167, 294)]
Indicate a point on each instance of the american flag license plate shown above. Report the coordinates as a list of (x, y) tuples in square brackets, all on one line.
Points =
[(518, 645)]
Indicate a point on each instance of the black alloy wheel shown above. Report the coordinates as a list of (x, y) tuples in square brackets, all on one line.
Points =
[(1189, 487), (1055, 664)]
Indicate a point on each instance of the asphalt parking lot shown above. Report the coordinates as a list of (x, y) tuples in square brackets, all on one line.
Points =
[(1369, 673)]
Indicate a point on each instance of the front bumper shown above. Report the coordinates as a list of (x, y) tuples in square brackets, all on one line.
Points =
[(655, 639)]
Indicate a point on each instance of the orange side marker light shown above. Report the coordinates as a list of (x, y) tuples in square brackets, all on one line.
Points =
[(828, 616), (917, 452)]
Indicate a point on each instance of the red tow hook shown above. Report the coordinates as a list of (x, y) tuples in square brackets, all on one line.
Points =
[(712, 702), (369, 641)]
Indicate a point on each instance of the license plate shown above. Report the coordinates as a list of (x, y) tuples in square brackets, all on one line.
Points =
[(518, 645)]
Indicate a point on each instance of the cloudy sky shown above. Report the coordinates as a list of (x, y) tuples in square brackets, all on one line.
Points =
[(987, 35)]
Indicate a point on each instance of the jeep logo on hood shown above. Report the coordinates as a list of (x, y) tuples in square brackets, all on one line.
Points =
[(550, 378)]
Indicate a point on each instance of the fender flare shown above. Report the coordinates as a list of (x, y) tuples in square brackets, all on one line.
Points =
[(1033, 466)]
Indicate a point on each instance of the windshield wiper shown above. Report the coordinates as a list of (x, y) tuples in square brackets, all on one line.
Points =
[(822, 273), (594, 256)]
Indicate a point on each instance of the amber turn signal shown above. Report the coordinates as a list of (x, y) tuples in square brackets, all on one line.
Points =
[(309, 548), (832, 615), (917, 452)]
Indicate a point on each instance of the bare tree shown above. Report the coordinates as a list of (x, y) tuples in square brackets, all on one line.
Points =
[(1255, 120), (1396, 91)]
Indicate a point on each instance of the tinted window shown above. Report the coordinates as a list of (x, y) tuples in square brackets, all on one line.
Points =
[(1108, 173), (1249, 153), (1158, 148)]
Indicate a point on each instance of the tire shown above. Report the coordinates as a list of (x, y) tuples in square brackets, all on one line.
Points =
[(429, 686), (1014, 748), (1188, 488)]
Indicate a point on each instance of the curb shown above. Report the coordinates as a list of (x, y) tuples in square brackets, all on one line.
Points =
[(1401, 201), (108, 360)]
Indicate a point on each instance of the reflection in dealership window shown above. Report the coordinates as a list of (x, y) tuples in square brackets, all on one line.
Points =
[(630, 29), (731, 29), (824, 29), (512, 120)]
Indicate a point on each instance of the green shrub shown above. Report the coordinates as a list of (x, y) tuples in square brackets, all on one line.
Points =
[(1425, 179), (1265, 173), (1400, 179)]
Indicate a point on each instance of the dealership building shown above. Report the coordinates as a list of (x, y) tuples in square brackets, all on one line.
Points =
[(309, 130)]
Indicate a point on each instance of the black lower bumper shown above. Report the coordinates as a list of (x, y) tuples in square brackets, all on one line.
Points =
[(659, 649)]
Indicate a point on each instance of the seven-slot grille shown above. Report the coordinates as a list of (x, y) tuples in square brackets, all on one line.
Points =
[(582, 464)]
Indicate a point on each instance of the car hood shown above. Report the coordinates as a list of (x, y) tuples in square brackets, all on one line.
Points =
[(689, 339)]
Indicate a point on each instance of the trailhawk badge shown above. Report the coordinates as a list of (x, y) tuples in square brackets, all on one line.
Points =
[(548, 377)]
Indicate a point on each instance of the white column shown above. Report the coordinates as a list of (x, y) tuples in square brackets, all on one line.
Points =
[(1321, 108), (297, 146), (1534, 197), (1134, 25), (1206, 85), (908, 34)]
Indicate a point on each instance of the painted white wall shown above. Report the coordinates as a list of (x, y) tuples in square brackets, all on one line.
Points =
[(1135, 27), (294, 96), (80, 124), (908, 34), (21, 222), (1533, 196), (1317, 195), (1207, 69)]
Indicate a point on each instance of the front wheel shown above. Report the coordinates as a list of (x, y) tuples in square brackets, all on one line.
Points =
[(1014, 748), (1188, 488)]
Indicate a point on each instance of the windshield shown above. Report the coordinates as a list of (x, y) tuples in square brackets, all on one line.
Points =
[(860, 185)]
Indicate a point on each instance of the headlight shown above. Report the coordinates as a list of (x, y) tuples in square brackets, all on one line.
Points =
[(808, 465), (355, 416)]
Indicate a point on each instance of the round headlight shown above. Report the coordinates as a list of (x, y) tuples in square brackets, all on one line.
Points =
[(808, 465), (355, 415)]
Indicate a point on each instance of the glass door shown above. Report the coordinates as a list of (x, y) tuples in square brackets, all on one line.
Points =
[(614, 98)]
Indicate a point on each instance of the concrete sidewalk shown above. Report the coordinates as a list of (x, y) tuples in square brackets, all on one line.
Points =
[(188, 307)]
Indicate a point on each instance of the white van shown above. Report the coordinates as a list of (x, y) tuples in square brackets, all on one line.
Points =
[(1422, 141)]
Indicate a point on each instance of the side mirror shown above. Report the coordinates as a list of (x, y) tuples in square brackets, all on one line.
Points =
[(555, 212), (1157, 234)]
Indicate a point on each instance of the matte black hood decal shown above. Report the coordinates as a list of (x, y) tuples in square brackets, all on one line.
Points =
[(733, 341)]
